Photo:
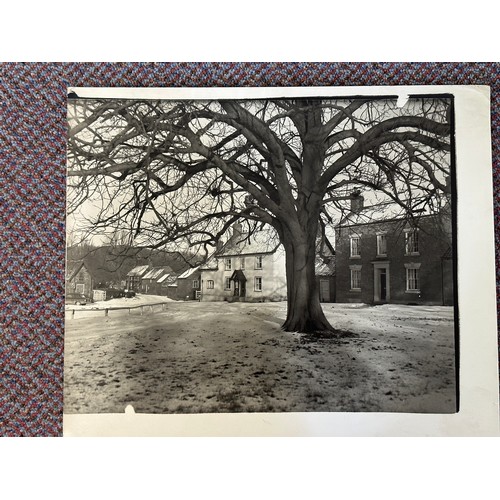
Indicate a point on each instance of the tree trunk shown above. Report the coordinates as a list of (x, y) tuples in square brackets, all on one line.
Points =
[(304, 312)]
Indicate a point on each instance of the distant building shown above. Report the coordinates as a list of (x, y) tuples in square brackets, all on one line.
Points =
[(79, 279), (325, 278), (168, 285), (189, 284), (396, 260), (249, 267), (149, 281), (107, 294), (134, 278)]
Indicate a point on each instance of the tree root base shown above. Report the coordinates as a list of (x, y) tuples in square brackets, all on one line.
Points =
[(334, 334)]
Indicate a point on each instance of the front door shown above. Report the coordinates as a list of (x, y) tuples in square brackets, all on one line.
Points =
[(236, 288), (381, 292), (383, 285), (324, 291)]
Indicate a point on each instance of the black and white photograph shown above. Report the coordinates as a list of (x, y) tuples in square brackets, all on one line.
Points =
[(261, 255)]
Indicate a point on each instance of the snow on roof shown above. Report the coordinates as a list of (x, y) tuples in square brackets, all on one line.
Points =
[(156, 272), (324, 268), (375, 213), (210, 264), (138, 271), (188, 272), (161, 279), (168, 279), (249, 244)]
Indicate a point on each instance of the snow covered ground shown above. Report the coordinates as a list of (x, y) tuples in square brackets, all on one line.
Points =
[(196, 357), (138, 300)]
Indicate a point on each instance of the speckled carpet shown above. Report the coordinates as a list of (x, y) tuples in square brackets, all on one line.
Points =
[(32, 196)]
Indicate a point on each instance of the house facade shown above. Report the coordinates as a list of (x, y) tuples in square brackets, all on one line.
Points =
[(396, 261), (149, 281), (168, 285), (249, 267), (79, 279), (134, 277), (325, 279), (189, 284)]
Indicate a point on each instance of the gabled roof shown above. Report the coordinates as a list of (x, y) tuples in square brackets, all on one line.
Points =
[(138, 271), (74, 267), (156, 272), (385, 211), (373, 214), (260, 242), (210, 264), (161, 279), (238, 275), (189, 272), (322, 268)]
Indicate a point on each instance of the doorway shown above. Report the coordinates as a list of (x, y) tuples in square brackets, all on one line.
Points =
[(381, 282), (239, 279), (324, 290), (383, 285)]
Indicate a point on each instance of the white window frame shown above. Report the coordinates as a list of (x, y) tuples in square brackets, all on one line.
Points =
[(196, 283), (355, 270), (257, 279), (242, 263), (228, 265), (416, 278), (210, 284), (381, 237), (408, 233), (352, 238), (227, 283), (258, 262), (80, 288)]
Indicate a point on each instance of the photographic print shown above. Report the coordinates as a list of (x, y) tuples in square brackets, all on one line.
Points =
[(261, 255)]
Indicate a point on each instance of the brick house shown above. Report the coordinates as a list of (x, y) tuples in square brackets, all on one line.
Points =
[(395, 260), (248, 268), (79, 279), (168, 285), (149, 281), (189, 284)]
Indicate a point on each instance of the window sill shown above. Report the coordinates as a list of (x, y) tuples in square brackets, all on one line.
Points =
[(412, 291), (412, 254), (355, 257), (355, 290)]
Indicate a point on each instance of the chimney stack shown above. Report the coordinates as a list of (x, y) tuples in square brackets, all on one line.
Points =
[(357, 202), (237, 229)]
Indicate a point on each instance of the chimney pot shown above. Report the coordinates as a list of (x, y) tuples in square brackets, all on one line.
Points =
[(357, 202), (237, 229)]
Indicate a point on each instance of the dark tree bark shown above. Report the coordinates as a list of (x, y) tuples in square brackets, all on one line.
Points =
[(304, 312), (185, 171)]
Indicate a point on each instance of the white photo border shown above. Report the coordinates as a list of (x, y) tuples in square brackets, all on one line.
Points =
[(478, 413)]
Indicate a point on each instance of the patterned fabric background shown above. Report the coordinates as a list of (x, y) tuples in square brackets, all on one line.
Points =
[(32, 196)]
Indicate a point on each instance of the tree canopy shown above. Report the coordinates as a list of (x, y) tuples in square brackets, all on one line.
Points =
[(184, 171)]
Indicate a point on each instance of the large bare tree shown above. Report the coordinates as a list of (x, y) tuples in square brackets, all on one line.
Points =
[(185, 171)]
